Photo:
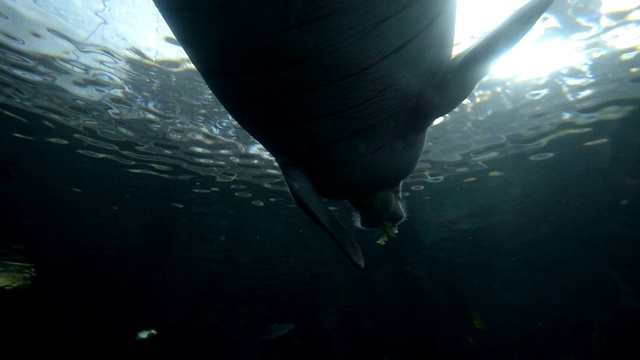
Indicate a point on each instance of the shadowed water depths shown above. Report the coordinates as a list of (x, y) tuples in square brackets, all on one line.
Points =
[(130, 201), (537, 263)]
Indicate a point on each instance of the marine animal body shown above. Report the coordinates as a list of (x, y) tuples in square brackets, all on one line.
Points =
[(340, 92)]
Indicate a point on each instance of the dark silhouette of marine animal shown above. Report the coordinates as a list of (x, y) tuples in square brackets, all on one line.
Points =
[(340, 92)]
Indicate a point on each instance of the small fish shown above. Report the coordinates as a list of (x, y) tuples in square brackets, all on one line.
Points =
[(277, 330)]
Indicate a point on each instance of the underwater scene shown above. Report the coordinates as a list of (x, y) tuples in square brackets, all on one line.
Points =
[(139, 217)]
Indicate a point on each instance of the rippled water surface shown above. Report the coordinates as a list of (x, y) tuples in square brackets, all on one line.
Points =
[(117, 76)]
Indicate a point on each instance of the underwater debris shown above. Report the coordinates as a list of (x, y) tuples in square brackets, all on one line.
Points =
[(389, 230), (277, 330), (16, 275), (146, 334), (478, 323)]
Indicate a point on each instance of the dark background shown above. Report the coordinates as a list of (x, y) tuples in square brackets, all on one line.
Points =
[(541, 263)]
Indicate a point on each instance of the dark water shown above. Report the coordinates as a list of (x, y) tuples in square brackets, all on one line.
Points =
[(541, 263), (130, 202)]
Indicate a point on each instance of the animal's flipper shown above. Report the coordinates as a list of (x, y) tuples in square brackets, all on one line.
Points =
[(454, 83), (311, 203)]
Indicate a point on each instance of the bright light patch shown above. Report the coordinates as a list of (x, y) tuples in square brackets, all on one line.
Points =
[(437, 121), (476, 18), (538, 59), (531, 58), (614, 6), (624, 37)]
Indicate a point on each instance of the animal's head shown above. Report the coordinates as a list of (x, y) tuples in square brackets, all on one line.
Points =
[(380, 209)]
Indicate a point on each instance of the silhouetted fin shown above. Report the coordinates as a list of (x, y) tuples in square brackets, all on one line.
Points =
[(311, 203), (456, 81)]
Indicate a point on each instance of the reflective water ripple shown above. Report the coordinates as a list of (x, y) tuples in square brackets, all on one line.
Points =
[(119, 78)]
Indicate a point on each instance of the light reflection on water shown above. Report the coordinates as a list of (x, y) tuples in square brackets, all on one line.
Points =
[(119, 78)]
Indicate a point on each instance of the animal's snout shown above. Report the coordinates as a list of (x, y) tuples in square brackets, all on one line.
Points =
[(397, 213)]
